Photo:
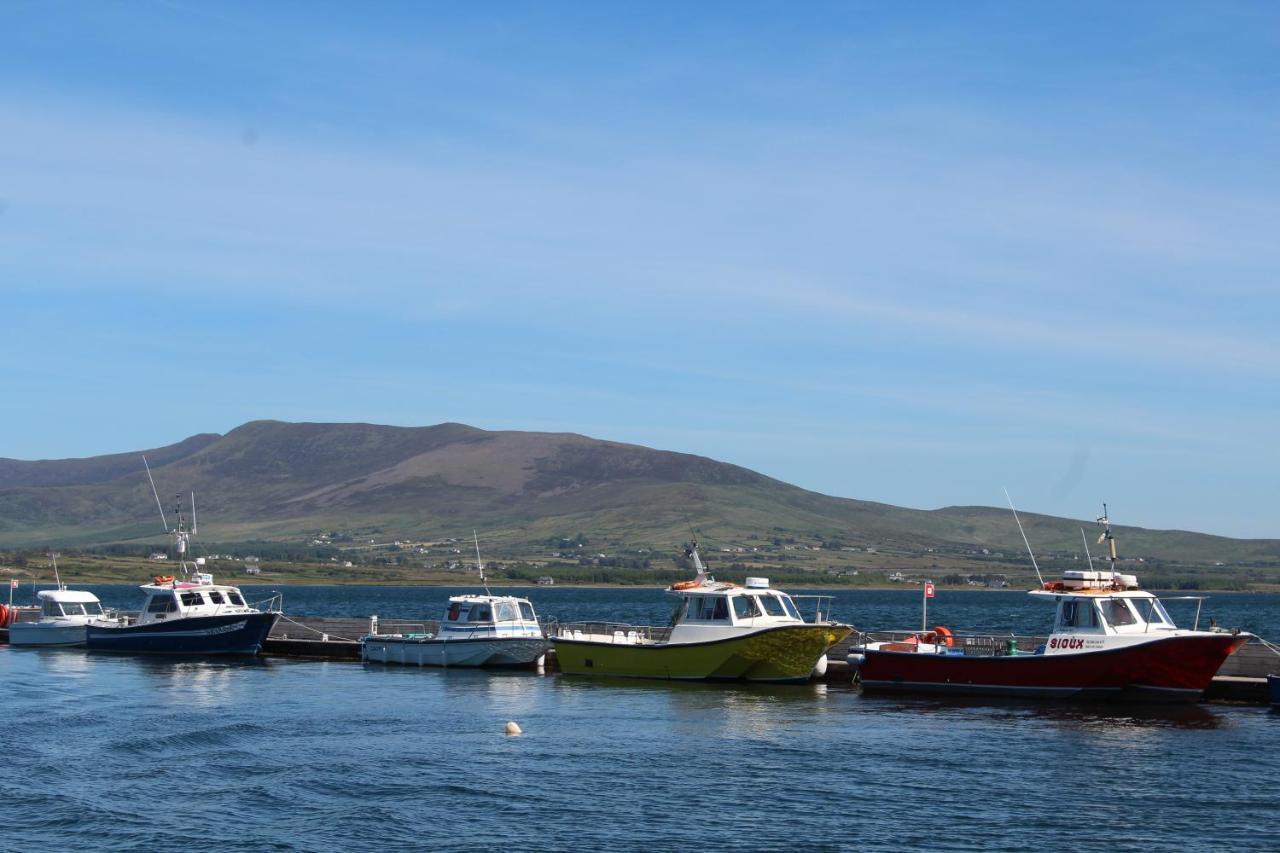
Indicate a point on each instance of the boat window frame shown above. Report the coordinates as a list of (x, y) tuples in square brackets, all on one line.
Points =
[(50, 607), (170, 603), (526, 612), (505, 611), (747, 601), (765, 599)]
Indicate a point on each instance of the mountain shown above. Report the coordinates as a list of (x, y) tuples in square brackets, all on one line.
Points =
[(286, 481)]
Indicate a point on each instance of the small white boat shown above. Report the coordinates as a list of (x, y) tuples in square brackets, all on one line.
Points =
[(477, 630), (65, 615)]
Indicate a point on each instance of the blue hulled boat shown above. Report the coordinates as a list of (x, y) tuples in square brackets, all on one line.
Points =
[(189, 614), (189, 617)]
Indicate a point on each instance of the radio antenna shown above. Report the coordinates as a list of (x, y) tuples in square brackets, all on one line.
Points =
[(1030, 553), (480, 563), (159, 506), (1085, 540)]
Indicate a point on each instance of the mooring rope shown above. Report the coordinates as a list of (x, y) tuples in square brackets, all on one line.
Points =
[(315, 630)]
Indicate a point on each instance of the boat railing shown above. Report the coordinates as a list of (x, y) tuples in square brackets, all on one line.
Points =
[(969, 645), (272, 604), (617, 631), (814, 609)]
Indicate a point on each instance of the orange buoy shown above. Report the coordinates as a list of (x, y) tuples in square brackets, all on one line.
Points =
[(4, 615), (943, 632)]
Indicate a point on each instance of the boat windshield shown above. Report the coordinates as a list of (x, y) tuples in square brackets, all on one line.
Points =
[(790, 606), (526, 611), (507, 612), (50, 608), (234, 598), (73, 608), (1077, 613), (772, 605), (1117, 612), (92, 608), (745, 607), (479, 613)]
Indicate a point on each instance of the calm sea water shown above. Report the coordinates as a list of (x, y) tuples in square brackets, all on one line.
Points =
[(130, 753)]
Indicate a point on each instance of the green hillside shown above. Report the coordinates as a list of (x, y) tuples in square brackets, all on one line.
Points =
[(268, 481)]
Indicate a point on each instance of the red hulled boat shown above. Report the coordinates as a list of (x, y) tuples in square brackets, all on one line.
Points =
[(1110, 639)]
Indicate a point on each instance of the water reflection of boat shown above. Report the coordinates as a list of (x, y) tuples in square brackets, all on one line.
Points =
[(477, 630), (719, 632), (1110, 639)]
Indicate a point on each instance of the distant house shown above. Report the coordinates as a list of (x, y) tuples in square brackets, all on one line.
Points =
[(546, 580), (159, 555), (252, 570)]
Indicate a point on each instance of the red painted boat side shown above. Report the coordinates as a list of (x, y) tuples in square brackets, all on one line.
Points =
[(1172, 668)]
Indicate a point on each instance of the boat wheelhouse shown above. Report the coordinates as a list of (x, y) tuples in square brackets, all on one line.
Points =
[(475, 630), (719, 631), (1110, 639)]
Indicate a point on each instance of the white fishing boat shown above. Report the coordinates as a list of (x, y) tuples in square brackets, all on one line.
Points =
[(476, 630), (64, 616)]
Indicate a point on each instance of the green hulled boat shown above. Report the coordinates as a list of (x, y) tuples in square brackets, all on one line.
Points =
[(720, 632)]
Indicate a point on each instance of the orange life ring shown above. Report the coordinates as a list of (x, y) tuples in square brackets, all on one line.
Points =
[(685, 585), (4, 614), (163, 579), (944, 632)]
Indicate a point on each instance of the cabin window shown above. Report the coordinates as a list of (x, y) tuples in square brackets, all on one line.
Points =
[(1158, 614), (480, 613), (216, 597), (163, 603), (454, 610), (192, 599), (1078, 614), (772, 605), (526, 612), (1117, 612), (791, 607), (745, 607), (93, 608), (507, 612), (234, 598), (708, 608), (73, 608), (50, 608)]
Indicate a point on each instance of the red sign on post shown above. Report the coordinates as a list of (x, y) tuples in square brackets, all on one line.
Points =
[(928, 590)]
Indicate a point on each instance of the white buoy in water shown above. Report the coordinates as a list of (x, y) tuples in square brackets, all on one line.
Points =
[(820, 668), (513, 728)]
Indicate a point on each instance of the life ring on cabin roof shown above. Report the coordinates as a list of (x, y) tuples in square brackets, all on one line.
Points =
[(942, 632), (685, 585), (163, 579)]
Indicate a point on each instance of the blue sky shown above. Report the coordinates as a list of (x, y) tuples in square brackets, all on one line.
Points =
[(911, 253)]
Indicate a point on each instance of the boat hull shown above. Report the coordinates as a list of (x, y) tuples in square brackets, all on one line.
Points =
[(438, 651), (36, 634), (779, 655), (1169, 669), (239, 634), (1273, 686)]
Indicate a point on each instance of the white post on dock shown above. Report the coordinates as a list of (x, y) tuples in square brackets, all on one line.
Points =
[(924, 607)]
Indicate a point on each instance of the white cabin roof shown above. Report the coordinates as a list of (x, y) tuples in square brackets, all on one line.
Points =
[(74, 596)]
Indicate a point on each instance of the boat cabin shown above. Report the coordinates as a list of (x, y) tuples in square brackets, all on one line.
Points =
[(710, 607), (68, 603), (489, 615), (1094, 606), (169, 599)]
